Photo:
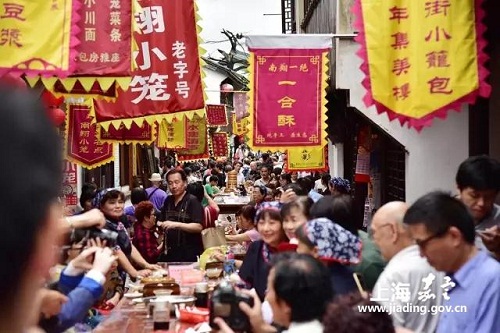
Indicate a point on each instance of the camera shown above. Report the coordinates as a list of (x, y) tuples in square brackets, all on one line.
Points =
[(225, 304), (111, 237)]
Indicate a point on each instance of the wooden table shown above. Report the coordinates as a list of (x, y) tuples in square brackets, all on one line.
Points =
[(127, 318), (232, 206)]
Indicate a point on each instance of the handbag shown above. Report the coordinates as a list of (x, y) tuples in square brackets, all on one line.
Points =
[(213, 237)]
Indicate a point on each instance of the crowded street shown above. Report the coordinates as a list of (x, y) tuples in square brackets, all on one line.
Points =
[(226, 166)]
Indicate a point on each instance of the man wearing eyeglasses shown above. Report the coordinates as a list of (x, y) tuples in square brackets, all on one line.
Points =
[(445, 232), (405, 268)]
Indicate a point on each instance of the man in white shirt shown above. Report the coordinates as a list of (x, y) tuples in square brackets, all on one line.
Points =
[(408, 278)]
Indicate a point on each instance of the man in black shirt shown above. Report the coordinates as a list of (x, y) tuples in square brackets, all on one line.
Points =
[(183, 217)]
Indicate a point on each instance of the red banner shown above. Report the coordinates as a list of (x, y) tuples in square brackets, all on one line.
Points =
[(288, 98), (219, 144), (105, 38), (70, 187), (196, 139), (167, 79), (216, 115), (83, 147), (136, 134)]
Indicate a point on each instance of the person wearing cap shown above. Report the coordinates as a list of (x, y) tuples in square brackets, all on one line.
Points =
[(334, 246), (256, 265), (155, 194)]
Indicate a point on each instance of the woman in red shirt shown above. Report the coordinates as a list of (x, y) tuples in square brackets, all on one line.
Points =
[(147, 237)]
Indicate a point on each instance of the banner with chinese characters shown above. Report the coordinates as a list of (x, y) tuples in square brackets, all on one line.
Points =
[(220, 144), (144, 134), (104, 52), (82, 144), (70, 188), (421, 58), (172, 135), (197, 140), (167, 79), (288, 99), (240, 102), (38, 37), (216, 115), (240, 127), (306, 159)]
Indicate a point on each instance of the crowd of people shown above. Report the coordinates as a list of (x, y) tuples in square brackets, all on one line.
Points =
[(308, 267)]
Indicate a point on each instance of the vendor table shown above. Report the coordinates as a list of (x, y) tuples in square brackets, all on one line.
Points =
[(127, 318)]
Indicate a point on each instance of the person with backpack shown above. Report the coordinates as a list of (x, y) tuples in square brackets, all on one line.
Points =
[(155, 194)]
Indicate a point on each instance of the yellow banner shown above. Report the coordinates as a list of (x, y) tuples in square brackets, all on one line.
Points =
[(172, 135), (240, 127), (37, 37), (421, 57), (306, 159)]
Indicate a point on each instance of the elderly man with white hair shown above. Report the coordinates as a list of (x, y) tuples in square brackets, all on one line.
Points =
[(408, 278)]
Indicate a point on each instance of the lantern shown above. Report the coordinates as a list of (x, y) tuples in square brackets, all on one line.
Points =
[(50, 100), (56, 115), (227, 88)]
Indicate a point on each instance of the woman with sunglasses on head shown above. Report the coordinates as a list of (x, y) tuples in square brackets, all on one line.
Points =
[(148, 238), (111, 203)]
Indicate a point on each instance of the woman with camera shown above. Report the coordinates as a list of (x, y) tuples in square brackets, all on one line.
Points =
[(298, 292), (111, 203)]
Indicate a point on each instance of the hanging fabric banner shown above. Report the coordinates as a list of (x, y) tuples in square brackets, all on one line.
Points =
[(419, 63), (288, 80), (306, 159), (70, 188), (197, 143), (240, 102), (216, 115), (38, 37), (82, 144), (219, 144), (172, 135), (168, 77), (104, 51), (240, 127), (144, 134)]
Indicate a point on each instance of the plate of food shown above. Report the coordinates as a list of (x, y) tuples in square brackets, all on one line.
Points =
[(134, 294)]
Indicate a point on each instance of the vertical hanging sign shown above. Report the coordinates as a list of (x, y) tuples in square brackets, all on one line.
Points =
[(288, 97), (82, 144), (421, 58)]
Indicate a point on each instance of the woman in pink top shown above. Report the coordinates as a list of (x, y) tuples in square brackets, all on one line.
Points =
[(248, 233)]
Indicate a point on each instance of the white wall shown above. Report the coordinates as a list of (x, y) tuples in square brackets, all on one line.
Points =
[(433, 154), (238, 16)]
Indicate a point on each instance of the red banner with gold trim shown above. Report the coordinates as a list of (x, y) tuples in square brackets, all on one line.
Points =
[(105, 38), (168, 75), (220, 144), (197, 141), (82, 144), (288, 92), (144, 134), (421, 58), (216, 115)]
